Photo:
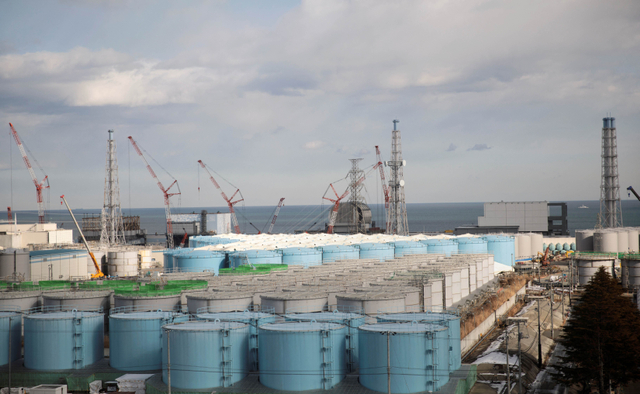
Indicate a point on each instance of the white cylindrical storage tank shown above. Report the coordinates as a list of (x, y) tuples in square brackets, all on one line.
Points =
[(630, 272), (605, 241), (63, 340), (10, 326), (584, 240), (589, 265), (536, 243), (524, 245), (350, 320), (299, 356), (371, 303), (205, 354), (413, 347), (15, 259), (135, 339), (301, 301), (150, 303), (221, 301), (634, 240), (123, 263), (623, 240), (24, 300)]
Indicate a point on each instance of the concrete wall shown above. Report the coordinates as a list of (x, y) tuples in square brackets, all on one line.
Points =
[(484, 327), (530, 216)]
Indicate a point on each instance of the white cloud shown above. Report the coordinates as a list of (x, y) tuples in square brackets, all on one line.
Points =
[(314, 145)]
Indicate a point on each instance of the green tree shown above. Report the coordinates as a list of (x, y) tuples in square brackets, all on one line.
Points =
[(601, 338)]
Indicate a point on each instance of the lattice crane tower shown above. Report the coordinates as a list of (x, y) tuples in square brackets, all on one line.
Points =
[(610, 205), (355, 224), (111, 217), (397, 213)]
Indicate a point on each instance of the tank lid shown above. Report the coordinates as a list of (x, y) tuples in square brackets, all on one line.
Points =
[(363, 296), (8, 314), (203, 326), (78, 294), (246, 315), (143, 315), (301, 326), (419, 316), (62, 315), (413, 327), (324, 316), (219, 295), (294, 295)]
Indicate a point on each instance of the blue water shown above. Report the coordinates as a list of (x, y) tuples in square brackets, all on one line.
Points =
[(428, 217)]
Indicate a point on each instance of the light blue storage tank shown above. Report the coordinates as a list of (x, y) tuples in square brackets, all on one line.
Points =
[(378, 251), (199, 261), (253, 319), (441, 246), (558, 247), (566, 246), (471, 245), (135, 339), (307, 257), (403, 248), (205, 354), (63, 340), (254, 257), (332, 253), (551, 247), (298, 356), (168, 259), (418, 352), (573, 246), (502, 247), (10, 325), (449, 320), (350, 320)]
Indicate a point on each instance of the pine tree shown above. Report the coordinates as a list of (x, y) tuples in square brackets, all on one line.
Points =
[(602, 338)]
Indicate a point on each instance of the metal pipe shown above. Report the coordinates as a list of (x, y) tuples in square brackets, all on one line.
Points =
[(168, 361), (388, 363), (508, 367), (551, 303), (519, 361), (10, 354)]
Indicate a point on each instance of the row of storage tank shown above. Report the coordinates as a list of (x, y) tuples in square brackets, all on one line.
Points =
[(614, 240), (66, 264), (294, 352), (588, 264), (195, 260)]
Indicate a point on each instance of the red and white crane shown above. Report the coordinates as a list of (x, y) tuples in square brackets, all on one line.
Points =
[(39, 185), (336, 203), (275, 216), (165, 192), (230, 203), (385, 186)]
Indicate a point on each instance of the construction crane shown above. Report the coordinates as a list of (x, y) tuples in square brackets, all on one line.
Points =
[(39, 185), (98, 273), (165, 192), (184, 239), (630, 188), (9, 216), (275, 216), (385, 186), (230, 203)]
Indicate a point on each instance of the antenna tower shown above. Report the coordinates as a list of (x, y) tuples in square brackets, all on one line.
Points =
[(356, 224), (111, 217), (397, 213), (610, 205)]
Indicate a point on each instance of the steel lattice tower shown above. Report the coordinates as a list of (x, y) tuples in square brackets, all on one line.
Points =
[(111, 218), (355, 175), (610, 205), (397, 213)]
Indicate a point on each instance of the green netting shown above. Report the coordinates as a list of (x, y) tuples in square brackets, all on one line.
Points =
[(260, 269), (153, 289), (107, 284), (42, 285), (465, 385)]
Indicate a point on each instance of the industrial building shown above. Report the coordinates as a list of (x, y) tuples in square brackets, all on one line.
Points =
[(517, 217), (21, 236)]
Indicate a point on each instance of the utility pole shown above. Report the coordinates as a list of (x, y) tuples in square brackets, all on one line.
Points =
[(169, 361), (518, 321), (508, 366), (538, 298), (388, 362), (10, 360), (551, 313), (397, 215)]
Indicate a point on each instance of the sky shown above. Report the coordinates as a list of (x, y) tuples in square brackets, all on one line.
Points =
[(498, 100)]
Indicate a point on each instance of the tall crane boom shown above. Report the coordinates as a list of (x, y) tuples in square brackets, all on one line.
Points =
[(630, 188), (336, 204), (165, 192), (385, 187), (98, 273), (275, 216), (230, 203), (39, 185)]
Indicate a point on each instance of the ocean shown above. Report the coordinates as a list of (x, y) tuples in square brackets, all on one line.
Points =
[(424, 217)]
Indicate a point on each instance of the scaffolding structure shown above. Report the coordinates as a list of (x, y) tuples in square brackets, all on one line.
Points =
[(356, 222), (610, 204), (397, 214), (112, 227)]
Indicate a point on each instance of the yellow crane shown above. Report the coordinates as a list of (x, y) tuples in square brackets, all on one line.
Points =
[(98, 273)]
